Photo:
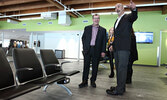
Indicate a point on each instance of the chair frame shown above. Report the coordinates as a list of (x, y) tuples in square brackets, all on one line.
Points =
[(47, 80), (14, 90)]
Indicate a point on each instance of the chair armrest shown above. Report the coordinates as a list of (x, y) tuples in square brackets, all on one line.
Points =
[(22, 69), (65, 62), (71, 73), (56, 65)]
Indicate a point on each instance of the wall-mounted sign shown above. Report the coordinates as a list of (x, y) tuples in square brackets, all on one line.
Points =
[(85, 21)]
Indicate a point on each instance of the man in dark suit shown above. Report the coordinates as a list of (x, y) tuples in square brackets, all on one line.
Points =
[(94, 47), (121, 45)]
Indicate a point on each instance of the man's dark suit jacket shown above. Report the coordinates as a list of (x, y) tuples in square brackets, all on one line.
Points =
[(122, 34), (133, 50), (100, 43)]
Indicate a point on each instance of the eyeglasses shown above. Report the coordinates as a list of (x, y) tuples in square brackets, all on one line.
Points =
[(96, 18)]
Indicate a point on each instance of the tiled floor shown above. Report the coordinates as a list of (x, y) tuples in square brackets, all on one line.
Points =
[(149, 83)]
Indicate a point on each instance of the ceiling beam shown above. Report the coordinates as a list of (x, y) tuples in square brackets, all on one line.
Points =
[(46, 9), (55, 4), (108, 4), (164, 9), (73, 2), (61, 7), (156, 8), (160, 1), (14, 19), (141, 9), (14, 2), (15, 7), (71, 14), (26, 6), (3, 19)]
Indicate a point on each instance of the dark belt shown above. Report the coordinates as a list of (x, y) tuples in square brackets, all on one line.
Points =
[(92, 46)]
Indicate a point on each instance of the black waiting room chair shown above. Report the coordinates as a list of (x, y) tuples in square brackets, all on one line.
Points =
[(28, 65), (51, 65), (4, 49), (9, 89), (166, 73), (50, 62)]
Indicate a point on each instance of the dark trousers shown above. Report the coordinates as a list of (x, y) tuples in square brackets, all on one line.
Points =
[(90, 57), (121, 63), (111, 62), (129, 71)]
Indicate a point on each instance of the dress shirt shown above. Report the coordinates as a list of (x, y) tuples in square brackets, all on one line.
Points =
[(94, 34), (118, 20)]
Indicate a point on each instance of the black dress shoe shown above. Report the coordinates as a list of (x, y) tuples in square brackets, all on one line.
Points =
[(112, 88), (108, 91), (93, 84), (83, 84), (111, 75)]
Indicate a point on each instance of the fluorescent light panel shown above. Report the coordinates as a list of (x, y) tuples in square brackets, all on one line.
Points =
[(31, 18), (105, 13)]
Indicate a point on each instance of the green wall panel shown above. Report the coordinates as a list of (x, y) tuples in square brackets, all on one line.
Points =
[(164, 48), (152, 21)]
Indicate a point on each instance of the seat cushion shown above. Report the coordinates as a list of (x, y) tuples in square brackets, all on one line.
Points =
[(17, 91)]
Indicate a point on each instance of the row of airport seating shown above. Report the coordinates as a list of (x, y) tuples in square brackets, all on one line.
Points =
[(29, 74)]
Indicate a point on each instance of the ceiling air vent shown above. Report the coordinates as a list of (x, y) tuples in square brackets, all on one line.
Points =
[(48, 15), (64, 19)]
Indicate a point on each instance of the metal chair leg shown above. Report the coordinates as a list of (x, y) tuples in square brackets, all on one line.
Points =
[(45, 87), (67, 89)]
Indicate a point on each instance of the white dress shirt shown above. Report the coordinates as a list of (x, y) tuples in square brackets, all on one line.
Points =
[(118, 20)]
